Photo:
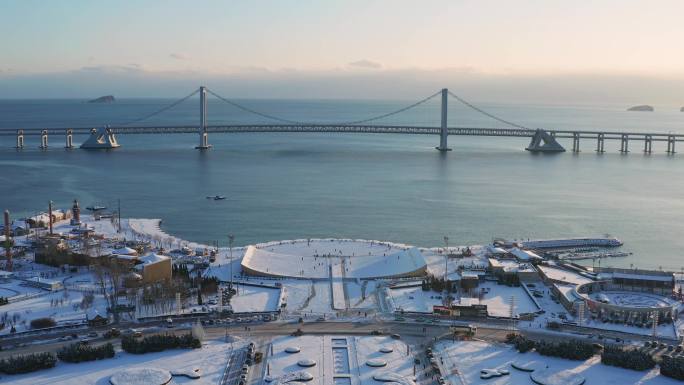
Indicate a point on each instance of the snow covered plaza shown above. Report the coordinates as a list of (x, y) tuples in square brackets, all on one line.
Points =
[(321, 258)]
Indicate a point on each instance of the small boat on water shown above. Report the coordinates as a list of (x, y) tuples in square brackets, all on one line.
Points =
[(95, 208), (217, 197)]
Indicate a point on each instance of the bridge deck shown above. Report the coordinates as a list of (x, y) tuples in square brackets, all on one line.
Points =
[(337, 128)]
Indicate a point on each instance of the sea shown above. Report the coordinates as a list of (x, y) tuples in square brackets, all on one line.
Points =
[(370, 186)]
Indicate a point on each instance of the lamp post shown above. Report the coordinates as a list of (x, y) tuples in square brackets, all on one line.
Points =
[(231, 238)]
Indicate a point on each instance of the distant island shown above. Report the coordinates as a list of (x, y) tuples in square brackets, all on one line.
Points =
[(644, 107), (103, 99), (681, 109)]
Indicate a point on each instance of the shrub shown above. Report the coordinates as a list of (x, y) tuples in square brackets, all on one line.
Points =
[(42, 323), (158, 343), (629, 359), (572, 350), (81, 352), (672, 367), (523, 344), (4, 301), (27, 363)]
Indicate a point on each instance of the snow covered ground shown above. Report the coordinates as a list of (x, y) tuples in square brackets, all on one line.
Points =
[(498, 299), (62, 305), (469, 357), (414, 299), (211, 360), (255, 299), (307, 297), (341, 359)]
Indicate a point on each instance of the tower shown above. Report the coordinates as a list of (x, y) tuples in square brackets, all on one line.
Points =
[(76, 214), (204, 137)]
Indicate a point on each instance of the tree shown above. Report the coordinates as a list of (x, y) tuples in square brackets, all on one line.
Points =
[(109, 273)]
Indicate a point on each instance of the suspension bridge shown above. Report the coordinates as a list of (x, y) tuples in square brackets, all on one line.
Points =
[(541, 140)]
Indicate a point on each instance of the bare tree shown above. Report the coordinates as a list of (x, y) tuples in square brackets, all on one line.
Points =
[(109, 275)]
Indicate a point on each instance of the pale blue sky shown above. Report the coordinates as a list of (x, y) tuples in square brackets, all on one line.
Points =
[(45, 43)]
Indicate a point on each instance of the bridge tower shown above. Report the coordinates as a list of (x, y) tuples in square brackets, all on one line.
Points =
[(69, 139), (204, 137), (20, 139), (44, 140), (444, 130)]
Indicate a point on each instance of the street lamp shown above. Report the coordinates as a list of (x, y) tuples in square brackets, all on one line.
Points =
[(231, 238)]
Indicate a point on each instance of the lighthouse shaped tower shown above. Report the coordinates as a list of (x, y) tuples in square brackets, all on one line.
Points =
[(76, 214)]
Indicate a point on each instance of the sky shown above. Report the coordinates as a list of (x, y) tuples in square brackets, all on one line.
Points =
[(533, 50)]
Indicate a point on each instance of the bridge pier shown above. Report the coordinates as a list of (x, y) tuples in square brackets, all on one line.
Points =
[(575, 142), (624, 143), (648, 144), (600, 139), (204, 136), (44, 140), (670, 144), (444, 130), (542, 141), (20, 139), (69, 139)]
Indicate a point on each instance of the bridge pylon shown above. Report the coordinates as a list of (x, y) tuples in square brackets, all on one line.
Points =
[(542, 141), (444, 130), (204, 136)]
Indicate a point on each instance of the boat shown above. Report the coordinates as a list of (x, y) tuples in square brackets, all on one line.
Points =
[(217, 197), (95, 208)]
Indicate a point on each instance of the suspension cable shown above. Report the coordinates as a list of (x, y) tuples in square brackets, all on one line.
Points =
[(394, 112), (483, 112), (163, 109), (267, 116)]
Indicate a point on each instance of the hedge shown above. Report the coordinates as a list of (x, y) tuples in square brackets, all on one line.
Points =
[(628, 359), (79, 352), (672, 367), (158, 343), (572, 350), (27, 363)]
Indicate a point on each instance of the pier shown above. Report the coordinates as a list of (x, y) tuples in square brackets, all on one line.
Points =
[(541, 140)]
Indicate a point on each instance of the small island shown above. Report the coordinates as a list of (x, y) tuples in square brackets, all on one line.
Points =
[(103, 99), (644, 107), (681, 109)]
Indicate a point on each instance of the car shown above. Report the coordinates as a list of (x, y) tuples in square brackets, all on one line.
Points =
[(112, 333), (376, 333), (320, 319), (64, 338), (399, 319), (92, 334), (135, 333), (297, 333), (243, 377), (670, 348), (245, 368), (396, 336), (416, 361), (678, 349)]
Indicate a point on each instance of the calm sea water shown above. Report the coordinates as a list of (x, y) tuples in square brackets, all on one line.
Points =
[(389, 187)]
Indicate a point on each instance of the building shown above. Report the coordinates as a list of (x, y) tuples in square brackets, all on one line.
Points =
[(45, 284), (94, 318), (154, 268), (652, 281)]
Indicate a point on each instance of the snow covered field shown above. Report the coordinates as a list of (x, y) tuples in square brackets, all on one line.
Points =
[(210, 359), (469, 357), (414, 299), (62, 306), (255, 299), (498, 299), (340, 359)]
